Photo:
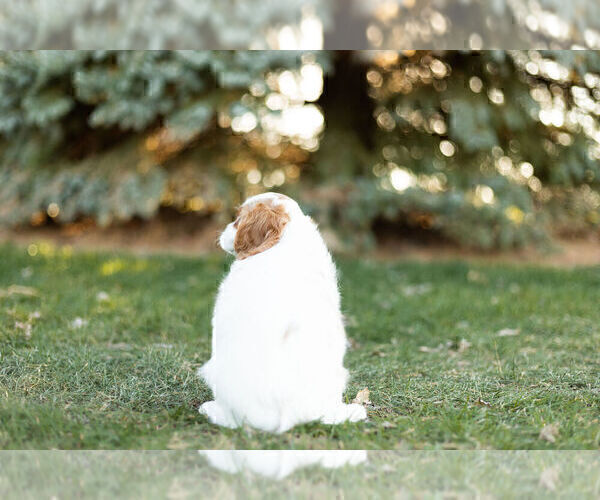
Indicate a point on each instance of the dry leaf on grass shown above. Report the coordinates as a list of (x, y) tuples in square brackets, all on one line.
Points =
[(450, 446), (176, 443), (439, 348), (352, 344), (481, 402), (163, 346), (463, 345), (362, 397), (549, 478), (19, 290), (26, 327), (549, 433), (452, 347), (509, 332)]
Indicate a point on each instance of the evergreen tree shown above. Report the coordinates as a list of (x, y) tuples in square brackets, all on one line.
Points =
[(483, 146), (487, 149), (148, 24), (244, 24), (105, 134)]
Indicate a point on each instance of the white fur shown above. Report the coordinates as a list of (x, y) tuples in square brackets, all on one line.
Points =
[(278, 464), (278, 339)]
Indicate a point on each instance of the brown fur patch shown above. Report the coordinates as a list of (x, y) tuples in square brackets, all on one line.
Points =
[(259, 228)]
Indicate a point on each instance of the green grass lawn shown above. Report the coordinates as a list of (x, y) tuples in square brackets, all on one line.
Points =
[(100, 351)]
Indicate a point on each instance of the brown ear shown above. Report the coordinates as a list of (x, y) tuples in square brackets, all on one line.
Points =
[(260, 228)]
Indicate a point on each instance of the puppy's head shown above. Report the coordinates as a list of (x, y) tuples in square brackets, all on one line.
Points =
[(259, 224)]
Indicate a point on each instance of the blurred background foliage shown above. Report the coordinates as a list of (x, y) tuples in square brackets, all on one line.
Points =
[(490, 149), (153, 24), (481, 24), (299, 24)]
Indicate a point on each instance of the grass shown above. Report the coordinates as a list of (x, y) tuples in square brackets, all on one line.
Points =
[(100, 351), (427, 474)]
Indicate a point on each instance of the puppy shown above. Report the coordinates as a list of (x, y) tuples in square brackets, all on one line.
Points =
[(278, 340), (278, 464)]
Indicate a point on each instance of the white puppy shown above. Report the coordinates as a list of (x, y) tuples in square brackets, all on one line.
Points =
[(278, 464), (278, 339)]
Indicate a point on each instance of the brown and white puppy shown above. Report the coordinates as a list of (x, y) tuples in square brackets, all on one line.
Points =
[(278, 339), (257, 227)]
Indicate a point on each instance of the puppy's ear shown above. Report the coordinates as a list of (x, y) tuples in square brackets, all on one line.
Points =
[(259, 228)]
